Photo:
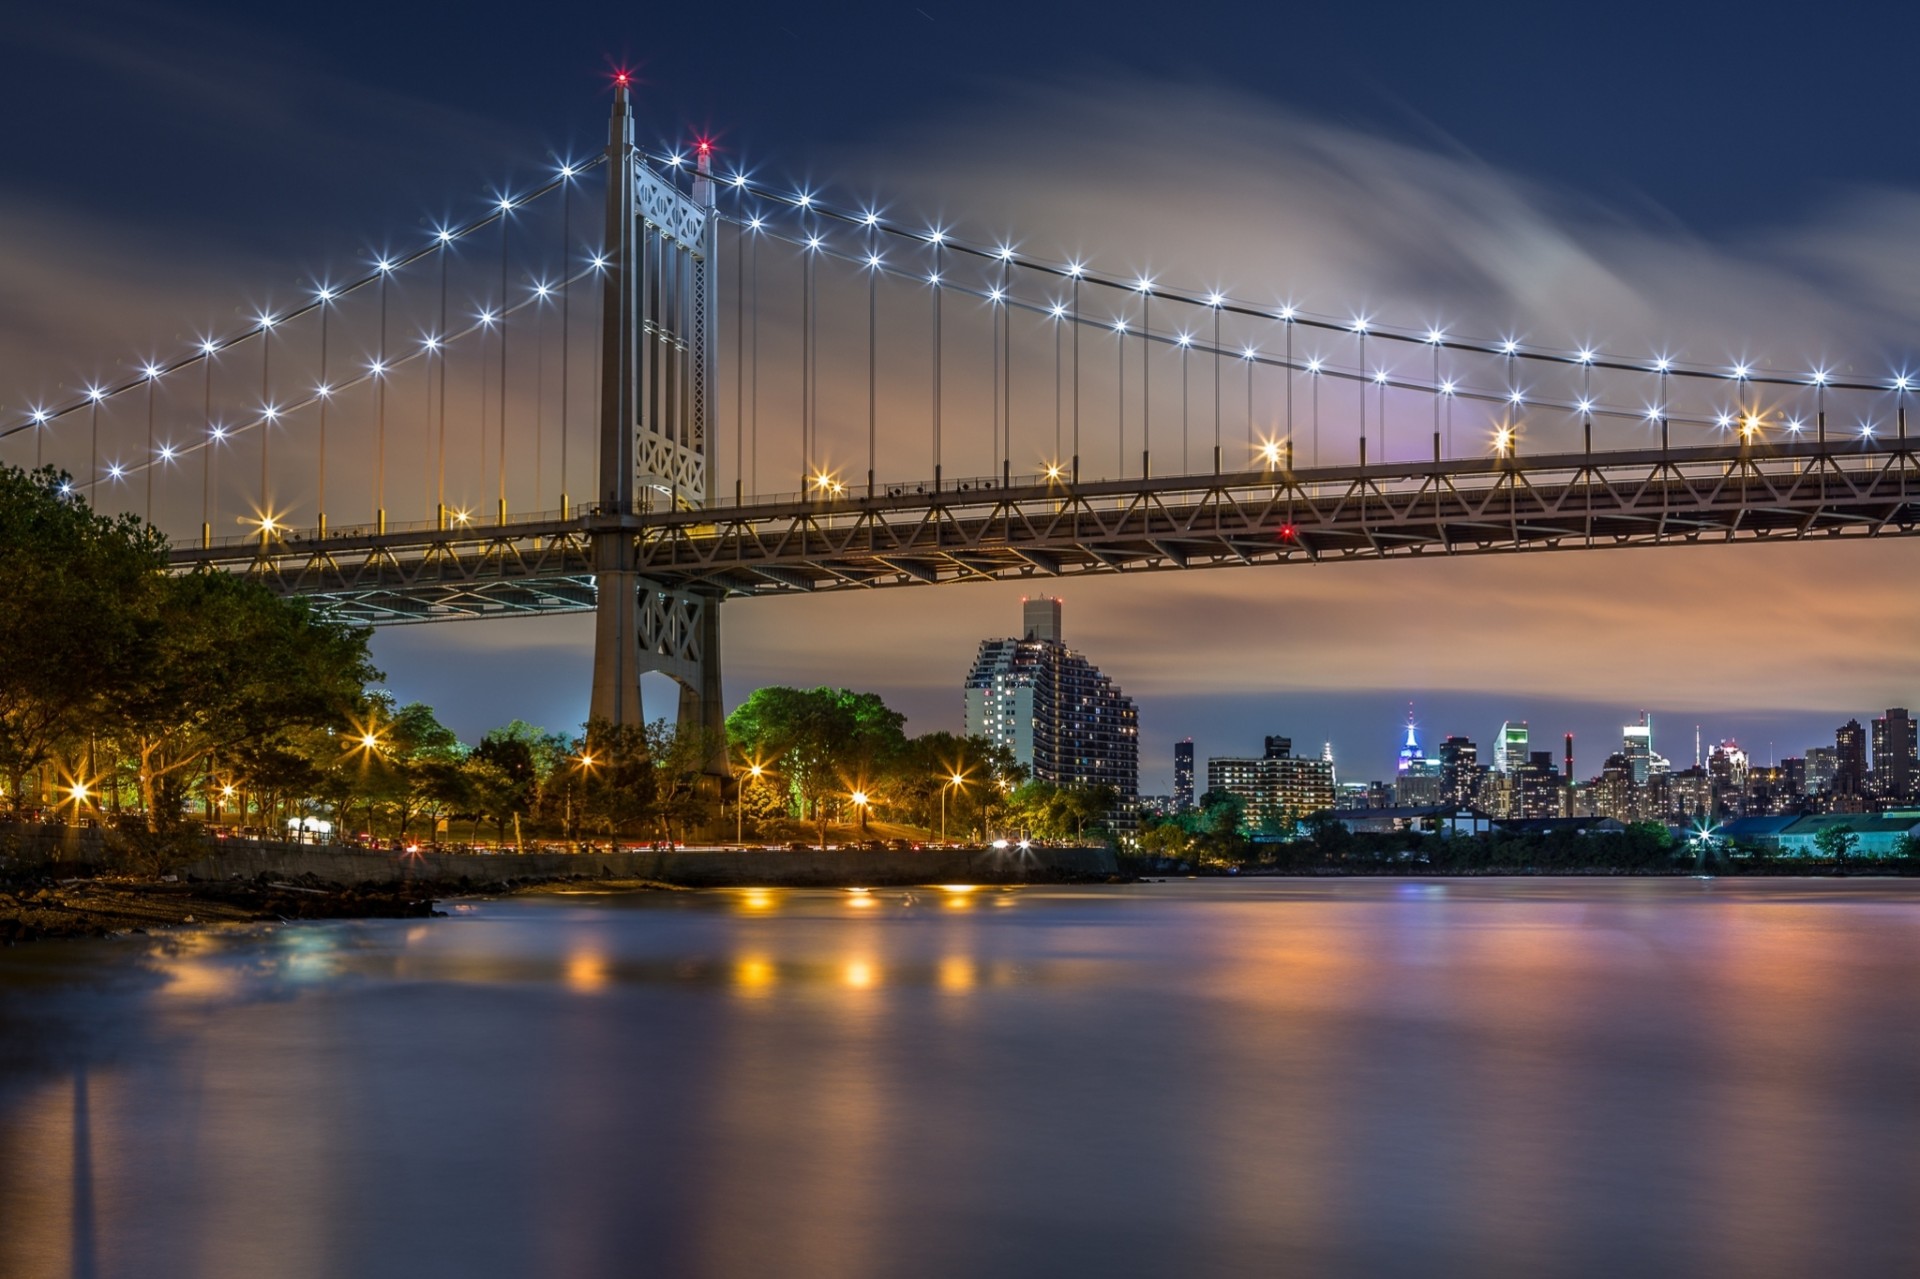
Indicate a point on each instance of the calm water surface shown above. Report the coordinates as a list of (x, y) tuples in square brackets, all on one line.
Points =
[(1192, 1078)]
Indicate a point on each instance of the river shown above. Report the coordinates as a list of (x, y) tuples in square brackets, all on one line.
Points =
[(1193, 1078)]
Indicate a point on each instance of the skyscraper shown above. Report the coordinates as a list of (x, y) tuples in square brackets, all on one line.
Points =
[(1510, 753), (1637, 747), (1537, 786), (1183, 775), (1459, 770), (1053, 708), (1896, 756), (1417, 777), (1849, 759)]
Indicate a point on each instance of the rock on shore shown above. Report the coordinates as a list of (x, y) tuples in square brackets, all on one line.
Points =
[(35, 911)]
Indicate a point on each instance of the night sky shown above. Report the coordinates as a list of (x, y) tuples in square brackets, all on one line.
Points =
[(1633, 175)]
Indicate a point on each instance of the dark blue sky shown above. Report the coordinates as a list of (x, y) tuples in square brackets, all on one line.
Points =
[(1714, 116)]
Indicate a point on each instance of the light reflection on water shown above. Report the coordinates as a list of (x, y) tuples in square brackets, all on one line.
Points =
[(1318, 1078)]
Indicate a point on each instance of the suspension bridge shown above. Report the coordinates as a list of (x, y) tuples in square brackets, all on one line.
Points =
[(722, 387)]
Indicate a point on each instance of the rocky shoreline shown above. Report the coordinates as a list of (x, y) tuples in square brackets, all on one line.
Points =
[(50, 909)]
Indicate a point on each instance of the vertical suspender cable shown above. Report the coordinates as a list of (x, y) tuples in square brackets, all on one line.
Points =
[(873, 356), (1253, 439), (936, 366), (1436, 401), (326, 393), (1006, 360), (753, 319), (440, 465), (503, 368), (1120, 345), (1146, 383), (739, 364), (993, 304), (1076, 378), (539, 394), (206, 463), (426, 422), (149, 461), (566, 329), (1381, 383), (1363, 397), (813, 358), (1186, 464), (266, 418), (1290, 373), (380, 393), (806, 365), (1216, 388)]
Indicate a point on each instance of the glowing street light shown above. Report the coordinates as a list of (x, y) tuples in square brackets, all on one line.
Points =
[(957, 781), (755, 771)]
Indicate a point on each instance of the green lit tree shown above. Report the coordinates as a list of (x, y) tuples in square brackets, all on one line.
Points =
[(1837, 842), (73, 619)]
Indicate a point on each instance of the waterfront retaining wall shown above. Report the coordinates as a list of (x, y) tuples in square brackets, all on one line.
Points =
[(691, 868)]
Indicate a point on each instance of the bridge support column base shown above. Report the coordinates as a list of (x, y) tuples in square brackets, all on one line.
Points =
[(642, 626)]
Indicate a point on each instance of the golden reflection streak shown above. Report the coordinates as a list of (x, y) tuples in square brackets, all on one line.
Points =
[(957, 973), (754, 975), (860, 974), (587, 973)]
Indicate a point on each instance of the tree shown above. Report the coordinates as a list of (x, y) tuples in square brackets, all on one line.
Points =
[(416, 756), (505, 772), (681, 786), (821, 741), (1836, 843), (225, 663), (617, 776), (72, 616), (1164, 837)]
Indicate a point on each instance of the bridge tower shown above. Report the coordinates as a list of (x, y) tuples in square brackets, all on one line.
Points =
[(656, 419)]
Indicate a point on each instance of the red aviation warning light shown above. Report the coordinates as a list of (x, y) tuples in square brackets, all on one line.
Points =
[(1287, 532)]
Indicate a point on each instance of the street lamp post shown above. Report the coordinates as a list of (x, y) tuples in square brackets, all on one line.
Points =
[(740, 808), (585, 764), (957, 780)]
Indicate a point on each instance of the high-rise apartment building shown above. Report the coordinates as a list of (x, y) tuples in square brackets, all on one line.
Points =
[(1849, 759), (1183, 775), (1459, 771), (1822, 763), (1896, 756), (1053, 708), (1276, 788), (1537, 786), (1614, 793)]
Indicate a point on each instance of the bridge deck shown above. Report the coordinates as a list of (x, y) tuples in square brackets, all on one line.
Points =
[(1042, 530)]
